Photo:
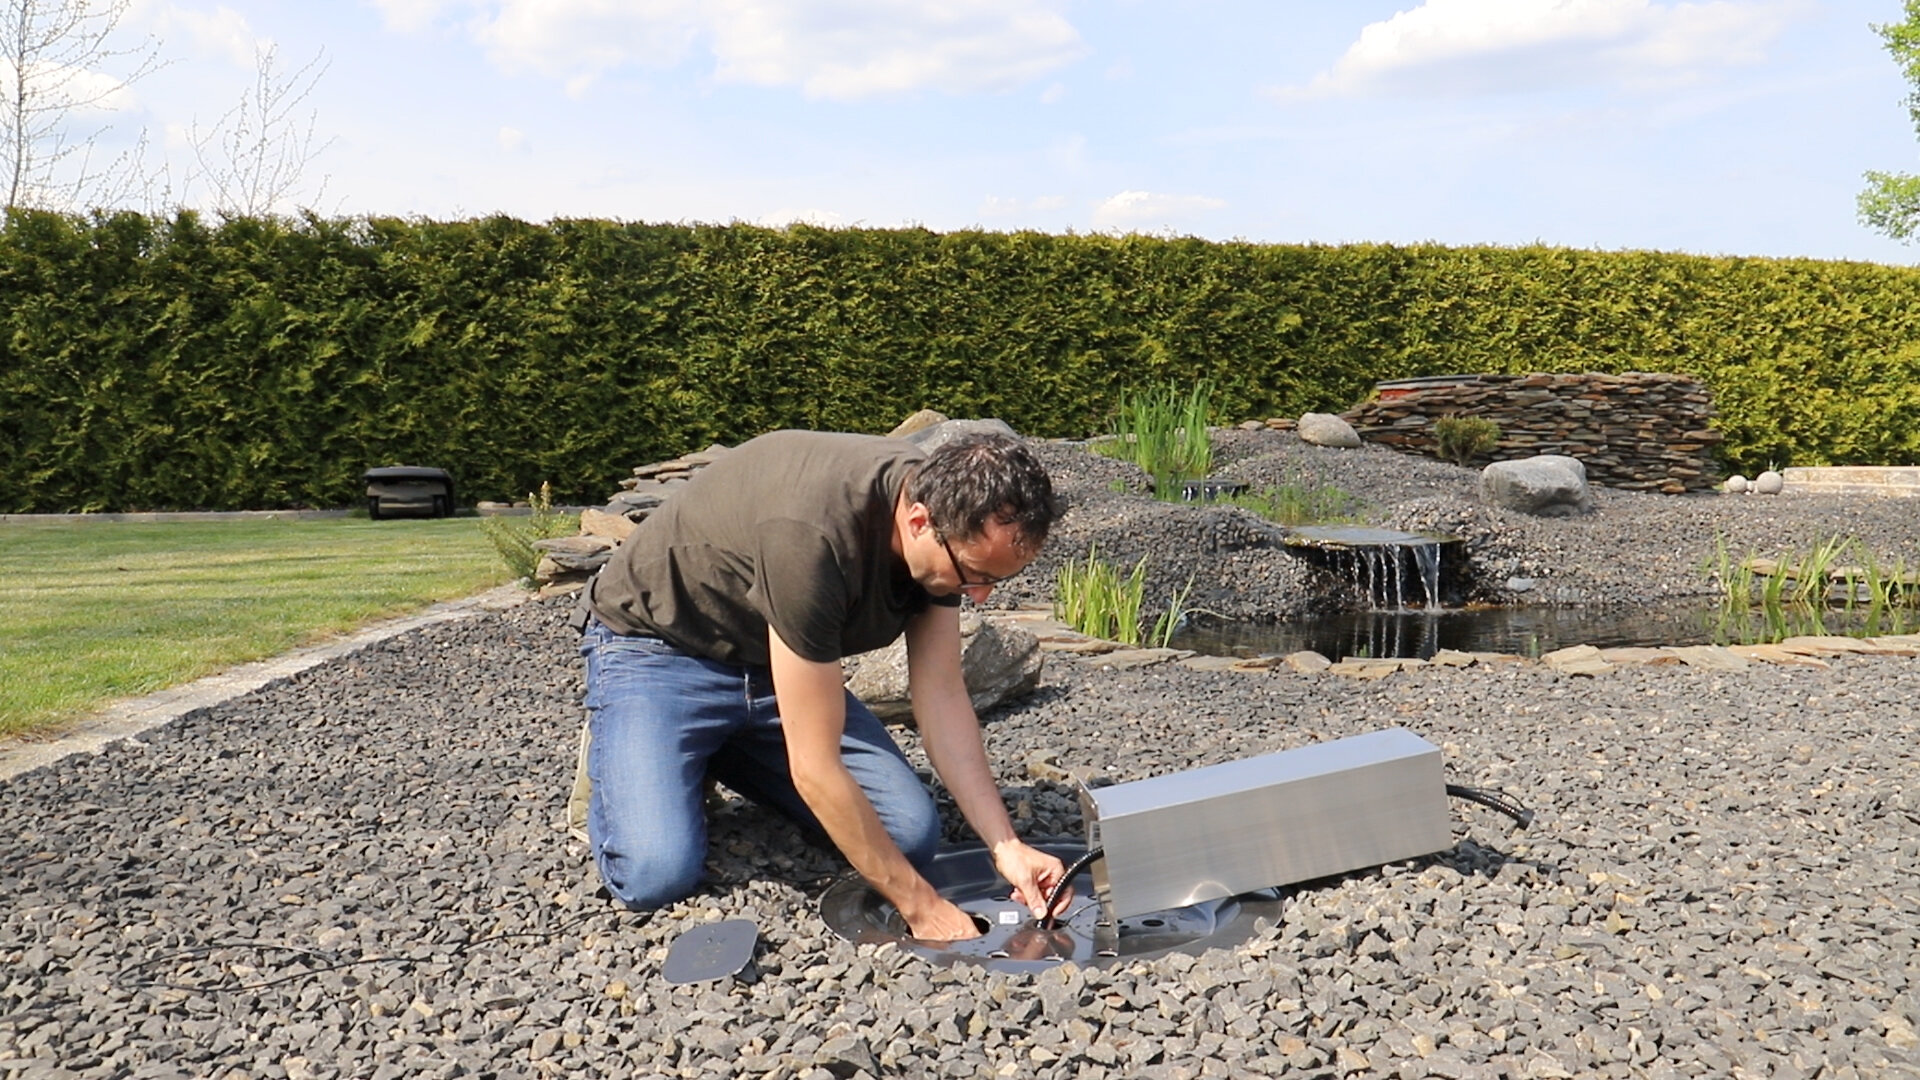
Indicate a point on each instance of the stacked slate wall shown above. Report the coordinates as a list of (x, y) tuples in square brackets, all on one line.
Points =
[(1635, 431)]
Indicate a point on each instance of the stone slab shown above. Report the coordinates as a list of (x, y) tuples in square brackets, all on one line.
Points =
[(1079, 645), (1710, 657), (1641, 655), (1213, 663), (1883, 480), (1828, 645), (1773, 654), (1577, 660), (1363, 669), (1122, 659)]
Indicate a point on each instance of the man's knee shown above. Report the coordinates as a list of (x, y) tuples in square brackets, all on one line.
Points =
[(643, 884), (918, 835)]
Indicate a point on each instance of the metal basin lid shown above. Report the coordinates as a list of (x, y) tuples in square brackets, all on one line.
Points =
[(1012, 941)]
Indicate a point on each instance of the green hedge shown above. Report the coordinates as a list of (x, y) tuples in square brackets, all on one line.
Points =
[(152, 363)]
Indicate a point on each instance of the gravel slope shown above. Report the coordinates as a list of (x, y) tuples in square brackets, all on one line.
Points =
[(1722, 883), (1634, 548)]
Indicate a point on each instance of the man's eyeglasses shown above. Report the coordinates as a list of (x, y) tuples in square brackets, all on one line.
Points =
[(986, 581)]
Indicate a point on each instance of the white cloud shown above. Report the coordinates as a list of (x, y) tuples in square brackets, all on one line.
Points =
[(1151, 209), (410, 15), (1493, 46), (80, 89), (512, 140), (836, 49), (222, 32)]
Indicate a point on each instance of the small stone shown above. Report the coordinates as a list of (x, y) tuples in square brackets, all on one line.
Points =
[(1306, 662)]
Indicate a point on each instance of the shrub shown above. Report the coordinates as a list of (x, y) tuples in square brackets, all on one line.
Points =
[(1462, 438)]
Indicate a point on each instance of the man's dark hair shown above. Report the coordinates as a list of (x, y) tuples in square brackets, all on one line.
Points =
[(974, 477)]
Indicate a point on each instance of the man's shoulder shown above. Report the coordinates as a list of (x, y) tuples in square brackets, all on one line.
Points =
[(801, 441)]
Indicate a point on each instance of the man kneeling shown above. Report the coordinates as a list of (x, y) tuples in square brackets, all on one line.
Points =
[(714, 638)]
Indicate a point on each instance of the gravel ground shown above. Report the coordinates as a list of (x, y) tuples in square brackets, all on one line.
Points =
[(362, 872), (1633, 549)]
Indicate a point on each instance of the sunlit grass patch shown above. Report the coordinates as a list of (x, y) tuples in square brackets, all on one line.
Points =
[(92, 611)]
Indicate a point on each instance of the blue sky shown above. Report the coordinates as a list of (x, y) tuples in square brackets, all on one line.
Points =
[(1735, 127)]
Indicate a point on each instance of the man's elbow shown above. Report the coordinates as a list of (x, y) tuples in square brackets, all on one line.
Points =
[(815, 781)]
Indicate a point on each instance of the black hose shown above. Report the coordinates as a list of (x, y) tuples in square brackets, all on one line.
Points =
[(1493, 800), (1053, 895)]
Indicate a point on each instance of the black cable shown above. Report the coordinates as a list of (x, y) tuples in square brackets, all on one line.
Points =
[(1493, 800), (1053, 895)]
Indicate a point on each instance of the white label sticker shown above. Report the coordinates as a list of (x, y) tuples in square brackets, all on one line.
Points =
[(1009, 918)]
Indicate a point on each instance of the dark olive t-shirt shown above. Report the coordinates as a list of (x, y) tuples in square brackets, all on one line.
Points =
[(793, 530)]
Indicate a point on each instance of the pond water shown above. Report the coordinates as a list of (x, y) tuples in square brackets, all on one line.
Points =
[(1530, 631)]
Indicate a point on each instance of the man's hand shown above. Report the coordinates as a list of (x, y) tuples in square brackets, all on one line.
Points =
[(1032, 873), (940, 920)]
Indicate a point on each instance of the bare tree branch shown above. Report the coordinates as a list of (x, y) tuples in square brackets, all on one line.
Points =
[(53, 55), (255, 158)]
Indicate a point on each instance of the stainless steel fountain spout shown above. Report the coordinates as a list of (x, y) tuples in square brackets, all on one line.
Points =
[(1271, 820)]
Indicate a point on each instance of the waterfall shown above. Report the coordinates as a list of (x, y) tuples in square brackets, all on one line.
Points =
[(1393, 571)]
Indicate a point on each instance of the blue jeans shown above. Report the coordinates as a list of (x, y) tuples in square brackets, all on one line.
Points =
[(662, 720)]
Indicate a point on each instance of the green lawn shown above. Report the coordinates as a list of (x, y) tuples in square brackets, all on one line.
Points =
[(93, 611)]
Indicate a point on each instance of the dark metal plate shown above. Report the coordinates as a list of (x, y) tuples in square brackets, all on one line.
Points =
[(714, 951), (1013, 940)]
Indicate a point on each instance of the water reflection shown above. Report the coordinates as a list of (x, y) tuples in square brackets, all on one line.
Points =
[(1531, 631)]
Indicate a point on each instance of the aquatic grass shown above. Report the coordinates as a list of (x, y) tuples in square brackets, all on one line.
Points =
[(1735, 577), (1096, 599), (1792, 595), (1813, 569), (1302, 501), (1165, 433)]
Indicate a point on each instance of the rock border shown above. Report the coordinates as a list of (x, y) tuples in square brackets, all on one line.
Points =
[(1058, 638)]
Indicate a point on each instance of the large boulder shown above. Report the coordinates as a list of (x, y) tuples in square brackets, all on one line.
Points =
[(932, 438), (1545, 485), (1326, 429), (1000, 661)]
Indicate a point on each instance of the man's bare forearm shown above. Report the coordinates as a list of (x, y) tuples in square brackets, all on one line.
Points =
[(813, 716)]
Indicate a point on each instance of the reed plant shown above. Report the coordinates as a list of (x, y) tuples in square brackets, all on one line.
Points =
[(1165, 433), (513, 537), (1096, 599), (1791, 591)]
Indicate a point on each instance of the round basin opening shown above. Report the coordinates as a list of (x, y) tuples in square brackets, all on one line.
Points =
[(1011, 939)]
